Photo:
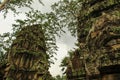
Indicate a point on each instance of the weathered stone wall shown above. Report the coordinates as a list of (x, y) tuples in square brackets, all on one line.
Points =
[(27, 58), (111, 77), (98, 34)]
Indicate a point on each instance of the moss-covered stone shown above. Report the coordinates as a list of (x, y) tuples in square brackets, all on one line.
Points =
[(27, 57)]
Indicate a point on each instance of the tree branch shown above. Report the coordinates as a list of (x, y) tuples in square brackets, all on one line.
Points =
[(2, 5)]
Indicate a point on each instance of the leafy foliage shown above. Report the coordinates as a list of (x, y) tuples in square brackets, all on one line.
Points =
[(67, 61), (49, 25), (68, 11), (64, 63), (13, 5), (5, 43), (58, 77)]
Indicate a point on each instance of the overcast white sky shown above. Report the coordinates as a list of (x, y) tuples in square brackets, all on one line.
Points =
[(65, 43)]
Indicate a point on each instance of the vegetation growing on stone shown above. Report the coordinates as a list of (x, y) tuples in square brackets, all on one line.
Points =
[(28, 50)]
